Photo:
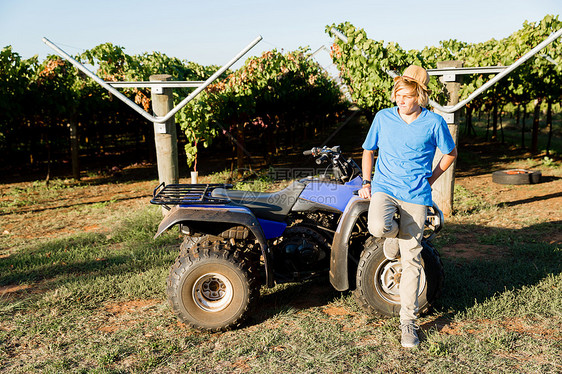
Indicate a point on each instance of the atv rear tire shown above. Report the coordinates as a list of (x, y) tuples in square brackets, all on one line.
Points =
[(212, 286), (378, 280)]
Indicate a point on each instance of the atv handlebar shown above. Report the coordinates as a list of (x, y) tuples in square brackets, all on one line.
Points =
[(344, 169), (315, 151)]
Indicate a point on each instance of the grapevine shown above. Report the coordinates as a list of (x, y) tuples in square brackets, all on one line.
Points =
[(276, 97)]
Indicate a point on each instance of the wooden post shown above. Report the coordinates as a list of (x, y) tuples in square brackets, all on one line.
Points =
[(74, 147), (165, 136), (444, 187)]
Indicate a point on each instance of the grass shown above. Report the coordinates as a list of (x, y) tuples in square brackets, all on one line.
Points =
[(32, 193), (96, 303), (466, 202)]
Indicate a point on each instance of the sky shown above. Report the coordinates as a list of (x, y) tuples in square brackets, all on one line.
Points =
[(214, 31)]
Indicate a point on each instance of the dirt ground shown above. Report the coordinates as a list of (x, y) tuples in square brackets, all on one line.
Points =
[(521, 207), (69, 211)]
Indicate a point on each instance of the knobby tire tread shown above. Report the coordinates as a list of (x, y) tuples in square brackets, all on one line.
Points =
[(205, 248), (373, 245)]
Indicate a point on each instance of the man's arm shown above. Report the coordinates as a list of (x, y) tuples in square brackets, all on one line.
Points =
[(367, 167), (443, 165)]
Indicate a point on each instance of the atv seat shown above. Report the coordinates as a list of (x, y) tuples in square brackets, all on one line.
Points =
[(272, 206)]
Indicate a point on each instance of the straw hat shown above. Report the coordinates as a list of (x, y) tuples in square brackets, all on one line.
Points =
[(417, 74)]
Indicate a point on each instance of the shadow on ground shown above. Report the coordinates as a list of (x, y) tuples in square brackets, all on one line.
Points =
[(499, 259)]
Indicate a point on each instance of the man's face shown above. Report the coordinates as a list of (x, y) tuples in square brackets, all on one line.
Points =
[(407, 101)]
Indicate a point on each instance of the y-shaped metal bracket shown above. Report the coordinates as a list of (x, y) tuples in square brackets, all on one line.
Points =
[(485, 86), (141, 111)]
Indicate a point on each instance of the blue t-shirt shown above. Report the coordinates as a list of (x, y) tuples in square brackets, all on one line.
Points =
[(406, 153)]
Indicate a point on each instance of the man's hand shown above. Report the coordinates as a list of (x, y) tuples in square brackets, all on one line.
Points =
[(365, 192)]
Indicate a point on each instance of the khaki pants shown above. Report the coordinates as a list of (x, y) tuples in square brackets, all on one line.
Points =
[(409, 233)]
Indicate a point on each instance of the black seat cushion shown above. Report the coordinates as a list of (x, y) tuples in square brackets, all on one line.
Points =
[(272, 206)]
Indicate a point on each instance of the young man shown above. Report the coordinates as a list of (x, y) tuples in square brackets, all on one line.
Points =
[(406, 137)]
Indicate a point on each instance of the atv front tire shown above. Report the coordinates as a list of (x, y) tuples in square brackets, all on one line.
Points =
[(212, 286), (378, 280)]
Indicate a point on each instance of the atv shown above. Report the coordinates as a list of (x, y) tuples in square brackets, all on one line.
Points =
[(237, 241)]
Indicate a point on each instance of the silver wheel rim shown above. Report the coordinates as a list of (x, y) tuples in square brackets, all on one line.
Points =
[(212, 292), (387, 281)]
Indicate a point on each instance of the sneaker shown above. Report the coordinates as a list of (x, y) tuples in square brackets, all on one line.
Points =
[(409, 335), (391, 248)]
